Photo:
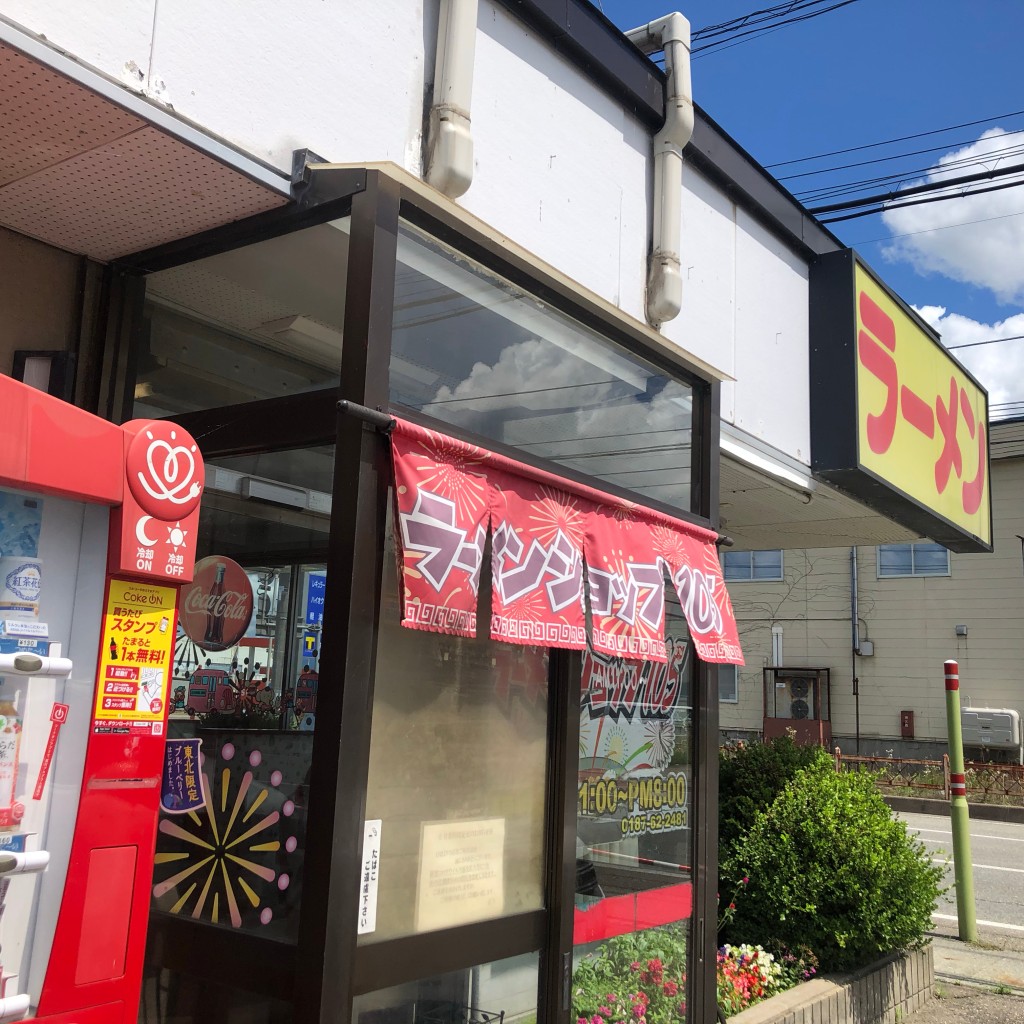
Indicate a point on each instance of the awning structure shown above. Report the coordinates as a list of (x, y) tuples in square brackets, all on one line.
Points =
[(547, 536), (98, 171)]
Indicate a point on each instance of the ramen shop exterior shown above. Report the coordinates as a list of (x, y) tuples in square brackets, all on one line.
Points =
[(474, 509)]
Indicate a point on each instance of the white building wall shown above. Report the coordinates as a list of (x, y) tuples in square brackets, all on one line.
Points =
[(560, 167)]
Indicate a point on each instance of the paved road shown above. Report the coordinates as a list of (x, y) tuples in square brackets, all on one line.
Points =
[(997, 850)]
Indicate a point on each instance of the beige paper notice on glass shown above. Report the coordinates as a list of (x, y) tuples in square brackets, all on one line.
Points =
[(462, 873)]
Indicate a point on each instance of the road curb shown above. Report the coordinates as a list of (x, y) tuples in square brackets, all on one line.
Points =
[(979, 812)]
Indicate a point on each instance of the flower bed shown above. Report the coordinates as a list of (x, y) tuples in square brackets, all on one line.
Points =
[(641, 978)]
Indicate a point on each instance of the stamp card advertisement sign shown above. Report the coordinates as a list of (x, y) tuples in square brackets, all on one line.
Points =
[(462, 873), (136, 654)]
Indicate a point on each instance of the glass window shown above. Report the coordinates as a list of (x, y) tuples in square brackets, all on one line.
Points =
[(457, 774), (728, 684), (471, 349), (752, 565), (913, 560), (634, 843), (257, 322), (503, 992)]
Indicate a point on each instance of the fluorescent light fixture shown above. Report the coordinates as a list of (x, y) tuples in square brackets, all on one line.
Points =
[(274, 493), (764, 463), (307, 339)]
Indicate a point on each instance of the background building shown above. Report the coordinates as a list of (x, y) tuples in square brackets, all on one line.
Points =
[(919, 605)]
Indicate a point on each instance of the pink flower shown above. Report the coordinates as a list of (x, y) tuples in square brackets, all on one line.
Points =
[(670, 988)]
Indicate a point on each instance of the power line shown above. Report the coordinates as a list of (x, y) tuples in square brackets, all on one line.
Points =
[(888, 159), (938, 227), (759, 23), (753, 18), (889, 142), (960, 163), (886, 207), (931, 186), (989, 341)]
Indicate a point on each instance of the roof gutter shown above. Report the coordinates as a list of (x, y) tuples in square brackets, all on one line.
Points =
[(670, 34), (449, 140)]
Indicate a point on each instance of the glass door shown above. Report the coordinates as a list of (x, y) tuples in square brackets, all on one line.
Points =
[(229, 863)]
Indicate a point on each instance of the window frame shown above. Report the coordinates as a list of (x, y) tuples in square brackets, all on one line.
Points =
[(752, 578), (914, 573), (724, 670)]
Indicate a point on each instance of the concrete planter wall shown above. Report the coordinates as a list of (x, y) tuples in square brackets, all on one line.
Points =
[(883, 993)]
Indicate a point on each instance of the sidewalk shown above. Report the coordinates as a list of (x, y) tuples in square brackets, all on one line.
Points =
[(975, 984)]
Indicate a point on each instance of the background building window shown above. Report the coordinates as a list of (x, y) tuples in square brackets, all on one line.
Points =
[(752, 565), (728, 684), (912, 560)]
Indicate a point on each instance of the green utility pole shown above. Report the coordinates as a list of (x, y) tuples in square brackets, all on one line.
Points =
[(959, 813)]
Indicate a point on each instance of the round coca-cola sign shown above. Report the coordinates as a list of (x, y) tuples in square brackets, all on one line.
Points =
[(217, 605)]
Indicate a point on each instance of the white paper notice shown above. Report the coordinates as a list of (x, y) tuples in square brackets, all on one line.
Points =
[(462, 873), (371, 874)]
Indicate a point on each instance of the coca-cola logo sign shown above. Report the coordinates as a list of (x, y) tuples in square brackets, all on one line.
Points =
[(217, 605)]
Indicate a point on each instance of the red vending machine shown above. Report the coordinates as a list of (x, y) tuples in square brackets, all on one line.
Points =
[(97, 530)]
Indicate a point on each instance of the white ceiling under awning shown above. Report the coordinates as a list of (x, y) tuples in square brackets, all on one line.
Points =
[(84, 173), (760, 512)]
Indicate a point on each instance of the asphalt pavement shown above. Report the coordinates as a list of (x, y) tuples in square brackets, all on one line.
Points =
[(978, 982)]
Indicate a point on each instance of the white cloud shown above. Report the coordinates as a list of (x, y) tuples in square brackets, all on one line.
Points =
[(989, 254), (1000, 367)]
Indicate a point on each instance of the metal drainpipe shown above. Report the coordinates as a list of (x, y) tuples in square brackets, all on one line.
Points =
[(671, 34), (449, 141), (855, 639)]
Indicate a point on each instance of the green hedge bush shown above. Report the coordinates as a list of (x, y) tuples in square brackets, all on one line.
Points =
[(829, 867), (750, 777)]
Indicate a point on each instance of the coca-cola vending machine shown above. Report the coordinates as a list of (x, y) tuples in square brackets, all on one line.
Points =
[(97, 527)]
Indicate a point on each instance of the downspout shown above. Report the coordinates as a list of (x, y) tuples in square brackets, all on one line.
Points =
[(855, 640), (671, 34), (449, 141)]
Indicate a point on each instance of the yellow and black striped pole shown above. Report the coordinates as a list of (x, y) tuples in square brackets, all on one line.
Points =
[(959, 813)]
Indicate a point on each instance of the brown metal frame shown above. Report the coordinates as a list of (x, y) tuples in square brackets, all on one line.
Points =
[(326, 968)]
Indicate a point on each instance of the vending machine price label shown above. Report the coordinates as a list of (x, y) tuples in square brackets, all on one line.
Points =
[(136, 655)]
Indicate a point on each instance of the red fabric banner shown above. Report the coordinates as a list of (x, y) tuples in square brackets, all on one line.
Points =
[(545, 533), (536, 564), (443, 499)]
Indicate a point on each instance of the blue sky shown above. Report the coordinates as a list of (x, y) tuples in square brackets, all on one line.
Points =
[(877, 70)]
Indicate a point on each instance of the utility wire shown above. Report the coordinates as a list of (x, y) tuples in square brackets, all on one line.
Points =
[(938, 227), (931, 186), (889, 142), (753, 18), (947, 147), (960, 163), (770, 23), (886, 207), (989, 341)]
